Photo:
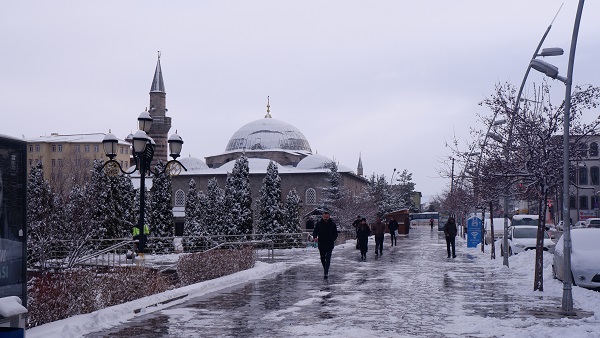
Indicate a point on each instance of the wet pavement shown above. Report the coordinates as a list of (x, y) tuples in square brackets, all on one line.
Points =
[(412, 290)]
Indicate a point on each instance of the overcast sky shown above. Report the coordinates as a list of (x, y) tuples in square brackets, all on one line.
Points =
[(393, 80)]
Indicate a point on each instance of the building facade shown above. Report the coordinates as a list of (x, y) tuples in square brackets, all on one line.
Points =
[(70, 158)]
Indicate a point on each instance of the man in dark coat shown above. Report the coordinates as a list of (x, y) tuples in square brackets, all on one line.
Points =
[(450, 231), (393, 226), (325, 233), (378, 229)]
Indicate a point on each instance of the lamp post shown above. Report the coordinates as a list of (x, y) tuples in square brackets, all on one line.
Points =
[(552, 71), (545, 52), (143, 153)]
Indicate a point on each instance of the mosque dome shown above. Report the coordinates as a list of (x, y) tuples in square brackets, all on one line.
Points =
[(193, 163), (314, 161), (268, 133)]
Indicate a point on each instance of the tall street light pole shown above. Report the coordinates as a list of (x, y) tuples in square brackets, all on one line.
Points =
[(552, 71), (143, 153), (545, 52)]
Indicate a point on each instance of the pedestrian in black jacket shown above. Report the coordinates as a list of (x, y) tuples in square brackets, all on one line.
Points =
[(393, 227), (363, 234), (325, 233), (450, 231)]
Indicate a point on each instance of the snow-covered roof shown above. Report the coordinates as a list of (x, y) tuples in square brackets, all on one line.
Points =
[(268, 133), (255, 165), (193, 164), (317, 161), (73, 138)]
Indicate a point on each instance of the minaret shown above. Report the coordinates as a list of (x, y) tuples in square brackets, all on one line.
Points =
[(359, 169), (268, 116), (161, 123)]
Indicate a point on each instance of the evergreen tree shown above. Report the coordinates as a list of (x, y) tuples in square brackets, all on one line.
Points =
[(194, 217), (40, 205), (215, 211), (405, 189), (332, 192), (379, 191), (270, 211), (291, 218), (161, 212), (97, 192), (238, 198), (78, 228)]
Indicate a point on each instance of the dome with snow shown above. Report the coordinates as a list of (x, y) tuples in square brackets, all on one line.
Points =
[(314, 161), (268, 133), (193, 163)]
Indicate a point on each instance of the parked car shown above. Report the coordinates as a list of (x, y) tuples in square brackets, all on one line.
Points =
[(581, 224), (523, 238), (592, 223), (498, 229), (525, 220), (585, 265)]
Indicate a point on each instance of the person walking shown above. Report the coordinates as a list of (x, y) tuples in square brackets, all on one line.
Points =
[(356, 224), (393, 226), (378, 229), (325, 234), (450, 231), (431, 223), (363, 234)]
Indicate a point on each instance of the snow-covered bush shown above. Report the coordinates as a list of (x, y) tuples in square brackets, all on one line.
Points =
[(201, 266)]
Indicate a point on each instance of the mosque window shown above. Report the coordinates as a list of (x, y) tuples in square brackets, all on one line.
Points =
[(594, 149), (180, 198), (311, 196)]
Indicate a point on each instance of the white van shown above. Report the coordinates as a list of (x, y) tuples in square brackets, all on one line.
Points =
[(525, 220), (498, 229)]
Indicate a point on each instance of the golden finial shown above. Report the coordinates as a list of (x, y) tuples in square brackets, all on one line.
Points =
[(268, 116), (159, 55)]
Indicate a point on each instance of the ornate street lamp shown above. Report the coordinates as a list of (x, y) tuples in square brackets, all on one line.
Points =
[(143, 153)]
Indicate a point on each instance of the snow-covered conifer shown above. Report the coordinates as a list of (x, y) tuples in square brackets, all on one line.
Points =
[(269, 208), (238, 199), (291, 217), (161, 212)]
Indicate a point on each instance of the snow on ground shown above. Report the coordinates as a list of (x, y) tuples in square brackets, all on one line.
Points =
[(519, 275)]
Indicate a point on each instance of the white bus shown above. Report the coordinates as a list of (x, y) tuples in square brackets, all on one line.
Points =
[(423, 218)]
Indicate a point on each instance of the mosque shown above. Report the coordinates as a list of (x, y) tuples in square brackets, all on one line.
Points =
[(263, 140)]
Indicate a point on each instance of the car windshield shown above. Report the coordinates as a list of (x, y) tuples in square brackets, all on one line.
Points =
[(525, 221), (526, 233)]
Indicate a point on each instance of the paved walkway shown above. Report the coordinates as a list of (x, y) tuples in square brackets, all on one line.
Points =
[(412, 290)]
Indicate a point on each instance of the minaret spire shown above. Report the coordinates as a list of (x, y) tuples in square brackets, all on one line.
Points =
[(157, 83), (161, 123), (359, 169), (268, 116)]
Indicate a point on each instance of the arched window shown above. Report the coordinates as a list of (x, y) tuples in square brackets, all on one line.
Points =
[(180, 198), (583, 150), (594, 149), (595, 175), (572, 203), (583, 202), (583, 176), (311, 197)]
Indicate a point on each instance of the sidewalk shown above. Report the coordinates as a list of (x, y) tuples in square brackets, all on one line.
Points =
[(413, 290)]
